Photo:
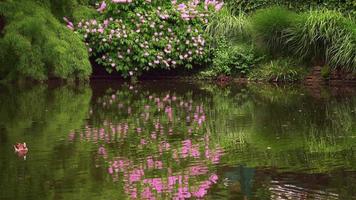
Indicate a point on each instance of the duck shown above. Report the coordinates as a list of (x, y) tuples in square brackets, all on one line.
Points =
[(21, 148)]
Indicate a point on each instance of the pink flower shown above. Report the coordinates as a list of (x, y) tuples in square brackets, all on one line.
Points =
[(102, 151), (219, 6), (121, 1), (181, 6), (213, 178), (110, 170), (143, 141), (69, 23), (70, 27), (106, 22), (102, 7)]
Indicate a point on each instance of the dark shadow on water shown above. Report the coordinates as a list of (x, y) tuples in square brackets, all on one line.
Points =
[(2, 24)]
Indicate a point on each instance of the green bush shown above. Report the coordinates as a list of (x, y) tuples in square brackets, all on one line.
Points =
[(134, 37), (325, 37), (83, 13), (347, 7), (232, 60), (35, 45), (69, 8), (318, 37), (233, 28), (282, 70), (269, 26)]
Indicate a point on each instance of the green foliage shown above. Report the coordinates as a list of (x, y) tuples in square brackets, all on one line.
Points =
[(41, 116), (282, 70), (139, 36), (247, 6), (319, 37), (83, 12), (69, 8), (326, 37), (35, 45), (269, 26), (232, 60), (325, 71), (233, 28)]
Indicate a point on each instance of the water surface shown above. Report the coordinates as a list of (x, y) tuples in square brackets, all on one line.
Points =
[(178, 140)]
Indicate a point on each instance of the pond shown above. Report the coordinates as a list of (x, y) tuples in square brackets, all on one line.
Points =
[(177, 140)]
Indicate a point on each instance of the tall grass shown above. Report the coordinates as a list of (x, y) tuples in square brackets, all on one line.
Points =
[(269, 26), (324, 36), (347, 7), (225, 25), (281, 70), (320, 37), (343, 50)]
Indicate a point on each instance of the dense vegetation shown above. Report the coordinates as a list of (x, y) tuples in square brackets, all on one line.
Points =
[(247, 6), (34, 44), (144, 36), (288, 40), (268, 40)]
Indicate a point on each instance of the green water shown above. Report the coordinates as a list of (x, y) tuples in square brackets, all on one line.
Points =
[(177, 140)]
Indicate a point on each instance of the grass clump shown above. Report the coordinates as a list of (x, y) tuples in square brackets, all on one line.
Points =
[(269, 26), (280, 70), (225, 25), (320, 37), (325, 37), (347, 7), (36, 45)]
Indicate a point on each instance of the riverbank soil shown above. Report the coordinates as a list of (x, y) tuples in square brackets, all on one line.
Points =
[(336, 77)]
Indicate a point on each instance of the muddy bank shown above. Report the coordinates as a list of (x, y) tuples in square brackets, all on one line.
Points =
[(333, 78)]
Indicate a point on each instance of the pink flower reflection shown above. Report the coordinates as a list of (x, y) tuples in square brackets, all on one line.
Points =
[(175, 160)]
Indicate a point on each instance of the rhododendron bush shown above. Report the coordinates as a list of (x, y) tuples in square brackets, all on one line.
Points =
[(133, 36)]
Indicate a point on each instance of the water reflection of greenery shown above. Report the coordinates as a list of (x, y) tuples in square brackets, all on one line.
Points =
[(42, 116), (41, 111), (288, 128), (260, 126)]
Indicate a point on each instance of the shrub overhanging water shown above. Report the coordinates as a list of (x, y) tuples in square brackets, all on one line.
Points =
[(131, 37)]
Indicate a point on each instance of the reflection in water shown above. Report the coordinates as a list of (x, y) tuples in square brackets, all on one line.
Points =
[(41, 116), (174, 140), (159, 145), (280, 190), (21, 150)]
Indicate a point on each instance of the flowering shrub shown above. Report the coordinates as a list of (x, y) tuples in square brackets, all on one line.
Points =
[(133, 36)]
